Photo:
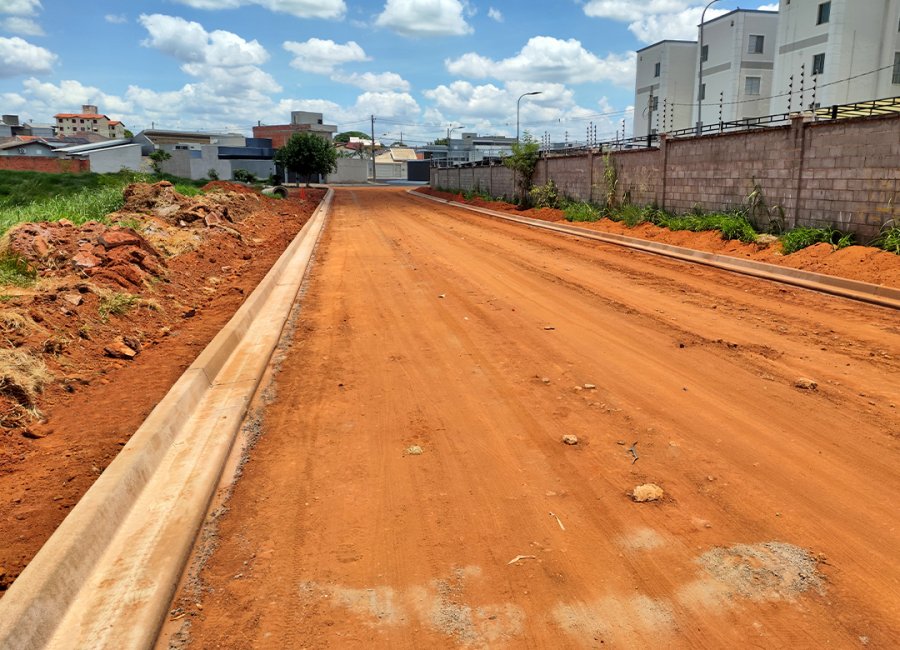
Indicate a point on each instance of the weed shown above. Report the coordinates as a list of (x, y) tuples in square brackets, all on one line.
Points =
[(611, 181), (889, 237), (803, 237), (116, 304), (188, 190), (545, 196), (15, 271), (134, 224), (22, 375), (581, 211)]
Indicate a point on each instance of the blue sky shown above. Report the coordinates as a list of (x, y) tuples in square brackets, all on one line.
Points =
[(417, 65)]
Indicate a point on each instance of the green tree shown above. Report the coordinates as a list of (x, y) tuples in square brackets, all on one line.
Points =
[(157, 158), (441, 141), (128, 134), (346, 135), (523, 161), (306, 153)]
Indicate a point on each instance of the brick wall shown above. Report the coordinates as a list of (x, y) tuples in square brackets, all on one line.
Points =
[(44, 164), (843, 174)]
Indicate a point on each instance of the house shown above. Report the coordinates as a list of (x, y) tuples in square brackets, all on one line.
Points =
[(29, 147), (664, 87), (10, 127), (109, 156), (738, 57), (836, 52), (468, 148), (301, 122), (89, 120), (196, 154)]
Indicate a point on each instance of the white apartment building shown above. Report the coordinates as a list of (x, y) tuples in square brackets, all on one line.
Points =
[(738, 66), (664, 87), (845, 51)]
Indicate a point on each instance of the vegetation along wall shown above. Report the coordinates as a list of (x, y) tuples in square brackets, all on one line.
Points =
[(843, 174)]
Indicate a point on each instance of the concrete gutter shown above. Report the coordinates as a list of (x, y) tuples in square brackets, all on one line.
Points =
[(875, 294), (107, 575)]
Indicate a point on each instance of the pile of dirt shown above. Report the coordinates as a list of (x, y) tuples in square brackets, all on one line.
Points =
[(863, 263), (89, 349)]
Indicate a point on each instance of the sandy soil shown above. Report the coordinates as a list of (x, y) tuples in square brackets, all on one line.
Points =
[(92, 402), (411, 488), (864, 263)]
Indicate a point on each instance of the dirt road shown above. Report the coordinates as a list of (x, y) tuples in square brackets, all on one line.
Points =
[(482, 344)]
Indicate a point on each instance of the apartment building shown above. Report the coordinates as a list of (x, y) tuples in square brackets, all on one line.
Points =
[(664, 87), (89, 120), (738, 58), (836, 52), (301, 122)]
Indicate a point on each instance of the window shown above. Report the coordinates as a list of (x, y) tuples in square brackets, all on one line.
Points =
[(656, 69), (818, 64), (654, 103), (704, 54), (702, 92), (751, 85), (824, 13), (895, 79), (756, 44)]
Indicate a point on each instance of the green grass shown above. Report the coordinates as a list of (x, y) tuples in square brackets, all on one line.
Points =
[(803, 237), (581, 211), (14, 271), (732, 226), (34, 196), (117, 304)]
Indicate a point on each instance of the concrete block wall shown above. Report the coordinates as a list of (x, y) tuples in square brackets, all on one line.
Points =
[(844, 174), (851, 175)]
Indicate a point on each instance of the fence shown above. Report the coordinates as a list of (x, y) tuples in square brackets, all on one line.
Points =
[(843, 173)]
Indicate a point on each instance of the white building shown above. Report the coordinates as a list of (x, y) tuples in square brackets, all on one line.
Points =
[(664, 87), (738, 66), (844, 50)]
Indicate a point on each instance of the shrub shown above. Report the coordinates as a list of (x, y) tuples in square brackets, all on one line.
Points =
[(545, 196), (212, 174), (889, 238), (243, 176), (803, 237), (581, 211)]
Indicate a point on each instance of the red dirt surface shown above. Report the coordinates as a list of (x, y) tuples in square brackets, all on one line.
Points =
[(182, 265), (410, 487), (863, 263)]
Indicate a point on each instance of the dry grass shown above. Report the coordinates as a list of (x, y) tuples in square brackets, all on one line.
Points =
[(22, 376), (12, 322)]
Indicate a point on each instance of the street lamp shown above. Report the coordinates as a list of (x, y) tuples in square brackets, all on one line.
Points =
[(518, 103), (700, 74), (450, 130)]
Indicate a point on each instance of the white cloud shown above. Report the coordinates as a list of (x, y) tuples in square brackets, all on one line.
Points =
[(21, 57), (191, 43), (374, 82), (48, 99), (655, 20), (769, 7), (425, 17), (385, 105), (495, 14), (20, 7), (116, 19), (21, 26), (323, 56), (545, 58), (327, 9)]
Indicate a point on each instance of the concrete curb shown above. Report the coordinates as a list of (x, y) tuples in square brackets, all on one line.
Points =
[(107, 575), (875, 294)]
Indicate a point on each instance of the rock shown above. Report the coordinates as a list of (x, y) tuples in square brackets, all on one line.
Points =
[(414, 450), (65, 223), (212, 220), (590, 387), (647, 492), (32, 434), (86, 260), (189, 313), (40, 246), (549, 328), (569, 439), (113, 238), (806, 384), (545, 380), (119, 349), (73, 299)]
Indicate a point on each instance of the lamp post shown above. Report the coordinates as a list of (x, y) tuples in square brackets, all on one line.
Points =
[(518, 104), (700, 74), (450, 130)]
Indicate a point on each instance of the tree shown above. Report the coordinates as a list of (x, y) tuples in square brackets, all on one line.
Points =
[(157, 158), (441, 141), (346, 135), (306, 154), (128, 134), (523, 162)]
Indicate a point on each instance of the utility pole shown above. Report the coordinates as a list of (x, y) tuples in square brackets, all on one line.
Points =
[(374, 175)]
